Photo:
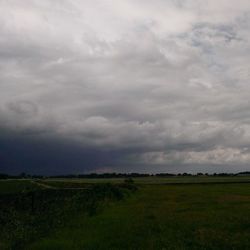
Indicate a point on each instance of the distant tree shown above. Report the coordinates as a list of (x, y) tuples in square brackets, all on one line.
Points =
[(186, 174), (246, 173), (23, 175), (164, 175), (4, 176)]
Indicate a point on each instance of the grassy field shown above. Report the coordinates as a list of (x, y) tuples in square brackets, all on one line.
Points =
[(204, 213), (15, 186), (154, 180)]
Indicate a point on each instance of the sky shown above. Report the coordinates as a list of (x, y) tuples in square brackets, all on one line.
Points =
[(124, 86)]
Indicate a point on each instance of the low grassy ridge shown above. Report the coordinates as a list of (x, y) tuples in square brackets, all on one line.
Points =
[(36, 208), (15, 186), (149, 180), (164, 213)]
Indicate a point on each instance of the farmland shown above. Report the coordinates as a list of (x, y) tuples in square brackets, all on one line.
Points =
[(163, 213)]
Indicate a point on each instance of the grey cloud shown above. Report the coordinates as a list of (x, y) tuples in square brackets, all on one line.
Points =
[(25, 108), (134, 78)]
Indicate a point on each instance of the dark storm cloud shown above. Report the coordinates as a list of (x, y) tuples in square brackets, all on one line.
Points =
[(38, 155), (134, 85)]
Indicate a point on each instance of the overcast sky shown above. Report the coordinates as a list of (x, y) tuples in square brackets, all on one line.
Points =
[(124, 85)]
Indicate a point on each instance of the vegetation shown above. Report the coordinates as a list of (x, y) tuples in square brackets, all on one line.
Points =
[(29, 214), (15, 186), (181, 212), (118, 175)]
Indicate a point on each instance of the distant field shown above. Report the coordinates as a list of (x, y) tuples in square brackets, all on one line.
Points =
[(156, 216), (153, 180), (13, 186)]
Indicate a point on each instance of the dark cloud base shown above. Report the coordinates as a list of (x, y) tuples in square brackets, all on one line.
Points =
[(46, 156), (20, 153)]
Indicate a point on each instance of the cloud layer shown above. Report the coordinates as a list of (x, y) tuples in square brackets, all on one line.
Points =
[(145, 83)]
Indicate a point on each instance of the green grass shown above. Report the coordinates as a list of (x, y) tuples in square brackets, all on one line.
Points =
[(151, 180), (165, 213), (15, 186), (214, 216)]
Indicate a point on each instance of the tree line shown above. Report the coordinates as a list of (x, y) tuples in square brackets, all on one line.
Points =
[(116, 175)]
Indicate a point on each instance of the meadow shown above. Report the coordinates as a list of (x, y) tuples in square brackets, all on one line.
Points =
[(153, 213)]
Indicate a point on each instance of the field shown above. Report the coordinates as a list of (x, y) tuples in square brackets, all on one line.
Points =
[(164, 213)]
